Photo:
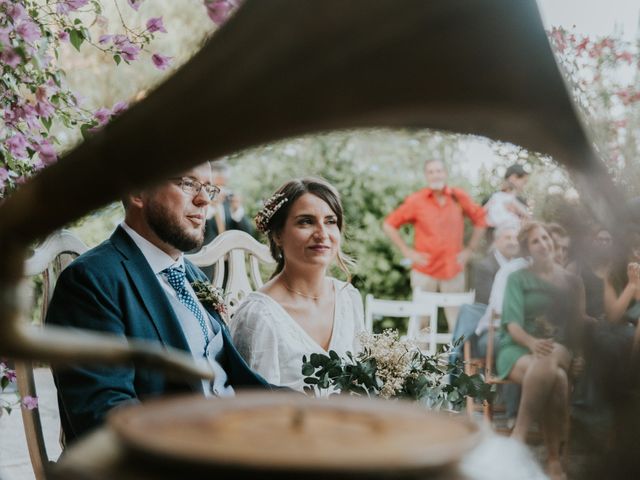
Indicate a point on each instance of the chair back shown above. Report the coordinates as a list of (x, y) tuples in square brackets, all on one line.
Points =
[(229, 253), (387, 308), (429, 303), (48, 259)]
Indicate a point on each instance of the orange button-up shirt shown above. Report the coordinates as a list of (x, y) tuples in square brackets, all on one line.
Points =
[(439, 229)]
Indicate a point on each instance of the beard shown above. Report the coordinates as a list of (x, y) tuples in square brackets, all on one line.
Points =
[(168, 228)]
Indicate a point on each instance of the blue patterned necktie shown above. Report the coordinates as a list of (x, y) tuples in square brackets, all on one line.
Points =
[(176, 278)]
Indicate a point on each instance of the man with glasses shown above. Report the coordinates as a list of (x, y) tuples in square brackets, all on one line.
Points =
[(137, 284)]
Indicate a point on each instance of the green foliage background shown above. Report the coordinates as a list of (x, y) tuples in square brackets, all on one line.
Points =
[(374, 170)]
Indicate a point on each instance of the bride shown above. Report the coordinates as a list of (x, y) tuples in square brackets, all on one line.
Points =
[(300, 310)]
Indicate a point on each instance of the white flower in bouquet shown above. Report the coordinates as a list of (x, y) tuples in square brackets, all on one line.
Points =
[(389, 367)]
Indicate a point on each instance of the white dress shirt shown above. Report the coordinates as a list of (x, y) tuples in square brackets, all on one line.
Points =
[(159, 261), (496, 298)]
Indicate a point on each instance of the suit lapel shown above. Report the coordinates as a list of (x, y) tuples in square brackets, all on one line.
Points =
[(152, 297)]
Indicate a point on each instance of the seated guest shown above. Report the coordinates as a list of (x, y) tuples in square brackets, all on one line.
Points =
[(561, 243), (593, 268), (505, 248), (622, 288), (133, 285), (300, 310), (543, 308)]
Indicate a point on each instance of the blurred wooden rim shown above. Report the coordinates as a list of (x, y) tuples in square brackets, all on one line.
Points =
[(261, 431)]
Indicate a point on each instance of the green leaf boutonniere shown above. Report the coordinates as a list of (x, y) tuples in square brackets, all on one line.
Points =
[(209, 296)]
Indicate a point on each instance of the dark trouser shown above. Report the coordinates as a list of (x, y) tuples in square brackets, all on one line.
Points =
[(466, 325)]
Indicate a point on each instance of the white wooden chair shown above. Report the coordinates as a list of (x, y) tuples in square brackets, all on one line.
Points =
[(388, 308), (429, 303), (48, 259), (229, 251)]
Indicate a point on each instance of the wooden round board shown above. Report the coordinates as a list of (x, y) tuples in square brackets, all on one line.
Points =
[(289, 432)]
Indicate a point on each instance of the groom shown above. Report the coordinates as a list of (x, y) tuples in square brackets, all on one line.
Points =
[(137, 284)]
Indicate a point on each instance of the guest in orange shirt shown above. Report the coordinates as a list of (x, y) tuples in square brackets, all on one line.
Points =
[(437, 215)]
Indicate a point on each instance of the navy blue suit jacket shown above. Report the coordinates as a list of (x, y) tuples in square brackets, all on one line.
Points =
[(112, 288)]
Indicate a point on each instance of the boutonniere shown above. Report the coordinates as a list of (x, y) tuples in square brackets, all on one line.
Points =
[(209, 296)]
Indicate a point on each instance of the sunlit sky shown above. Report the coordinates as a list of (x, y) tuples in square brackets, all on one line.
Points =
[(599, 17), (592, 17)]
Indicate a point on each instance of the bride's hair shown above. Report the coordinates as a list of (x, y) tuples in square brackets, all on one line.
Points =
[(290, 192)]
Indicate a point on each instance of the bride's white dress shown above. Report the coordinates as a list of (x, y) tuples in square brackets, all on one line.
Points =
[(273, 343)]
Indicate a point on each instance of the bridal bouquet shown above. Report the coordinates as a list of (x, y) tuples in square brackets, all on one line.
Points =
[(388, 367)]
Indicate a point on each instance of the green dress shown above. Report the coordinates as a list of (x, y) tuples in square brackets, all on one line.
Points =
[(527, 299)]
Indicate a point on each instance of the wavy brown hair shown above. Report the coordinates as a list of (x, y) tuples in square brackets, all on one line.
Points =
[(525, 231), (292, 190)]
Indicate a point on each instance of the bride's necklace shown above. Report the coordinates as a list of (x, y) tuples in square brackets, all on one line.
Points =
[(288, 287)]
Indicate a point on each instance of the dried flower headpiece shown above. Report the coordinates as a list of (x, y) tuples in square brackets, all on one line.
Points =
[(271, 206)]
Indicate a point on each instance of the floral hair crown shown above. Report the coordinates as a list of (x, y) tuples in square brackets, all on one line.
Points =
[(271, 206)]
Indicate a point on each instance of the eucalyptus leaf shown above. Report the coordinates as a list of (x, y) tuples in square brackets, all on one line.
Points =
[(307, 369)]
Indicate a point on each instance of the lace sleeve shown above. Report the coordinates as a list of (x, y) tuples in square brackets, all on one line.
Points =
[(254, 335), (357, 312)]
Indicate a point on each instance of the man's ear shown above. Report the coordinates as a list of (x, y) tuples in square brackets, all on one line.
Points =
[(136, 199)]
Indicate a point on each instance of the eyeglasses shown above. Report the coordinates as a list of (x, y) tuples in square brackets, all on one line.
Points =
[(193, 187)]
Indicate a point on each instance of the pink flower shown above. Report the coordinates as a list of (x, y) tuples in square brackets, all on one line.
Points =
[(160, 61), (63, 35), (102, 115), (26, 112), (135, 4), (43, 107), (155, 25), (218, 10), (127, 49), (5, 41), (17, 145), (104, 39), (582, 46), (29, 31), (6, 371), (607, 43), (625, 56), (4, 175), (10, 57), (30, 403), (119, 107), (16, 11), (46, 152), (66, 6)]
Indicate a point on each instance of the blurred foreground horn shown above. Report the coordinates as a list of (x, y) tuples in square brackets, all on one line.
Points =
[(286, 67)]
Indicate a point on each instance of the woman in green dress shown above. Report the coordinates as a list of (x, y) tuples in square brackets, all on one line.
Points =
[(540, 304)]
